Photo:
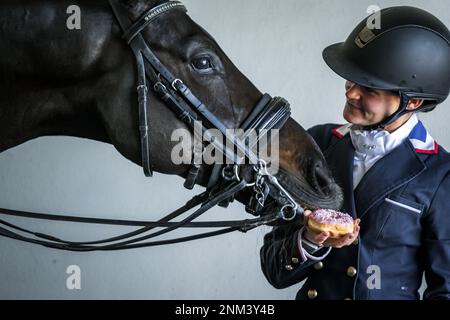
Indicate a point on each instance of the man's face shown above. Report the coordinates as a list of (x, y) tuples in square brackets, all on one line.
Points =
[(366, 107)]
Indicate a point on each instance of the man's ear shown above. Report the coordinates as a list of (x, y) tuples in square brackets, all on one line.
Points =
[(414, 104)]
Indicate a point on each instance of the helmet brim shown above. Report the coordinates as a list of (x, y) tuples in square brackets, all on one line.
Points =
[(337, 60)]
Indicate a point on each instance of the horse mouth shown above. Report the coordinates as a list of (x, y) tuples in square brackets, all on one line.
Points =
[(326, 196)]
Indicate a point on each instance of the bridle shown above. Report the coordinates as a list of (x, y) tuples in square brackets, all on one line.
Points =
[(226, 180)]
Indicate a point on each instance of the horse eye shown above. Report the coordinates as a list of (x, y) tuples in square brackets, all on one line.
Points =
[(202, 64)]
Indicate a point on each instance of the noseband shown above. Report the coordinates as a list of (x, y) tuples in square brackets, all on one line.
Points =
[(226, 180)]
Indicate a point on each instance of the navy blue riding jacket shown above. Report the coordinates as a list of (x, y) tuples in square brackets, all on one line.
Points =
[(403, 202)]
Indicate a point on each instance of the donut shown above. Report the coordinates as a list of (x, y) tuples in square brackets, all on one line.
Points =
[(335, 222)]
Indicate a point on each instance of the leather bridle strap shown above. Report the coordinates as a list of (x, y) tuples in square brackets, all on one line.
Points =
[(142, 92), (158, 74), (149, 16), (269, 113), (164, 222), (137, 242), (6, 233), (141, 50), (237, 225)]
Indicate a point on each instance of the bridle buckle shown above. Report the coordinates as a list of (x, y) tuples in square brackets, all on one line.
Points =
[(174, 82), (231, 173)]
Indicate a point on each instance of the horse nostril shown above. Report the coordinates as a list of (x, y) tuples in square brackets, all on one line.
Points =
[(320, 179)]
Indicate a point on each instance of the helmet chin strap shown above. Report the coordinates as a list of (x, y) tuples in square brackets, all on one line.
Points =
[(404, 99)]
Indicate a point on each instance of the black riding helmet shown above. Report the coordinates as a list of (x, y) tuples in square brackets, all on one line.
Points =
[(410, 55)]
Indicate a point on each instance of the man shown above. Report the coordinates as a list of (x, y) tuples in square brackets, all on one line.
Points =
[(395, 177)]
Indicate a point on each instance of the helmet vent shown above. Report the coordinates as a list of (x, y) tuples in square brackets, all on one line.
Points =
[(364, 37)]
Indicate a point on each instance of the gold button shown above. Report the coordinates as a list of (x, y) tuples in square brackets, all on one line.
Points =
[(289, 267), (295, 260), (351, 271), (312, 294), (318, 265)]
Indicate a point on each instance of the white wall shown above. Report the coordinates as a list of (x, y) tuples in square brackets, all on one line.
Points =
[(278, 45)]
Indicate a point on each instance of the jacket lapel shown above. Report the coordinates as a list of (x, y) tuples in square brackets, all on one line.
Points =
[(390, 173), (340, 160)]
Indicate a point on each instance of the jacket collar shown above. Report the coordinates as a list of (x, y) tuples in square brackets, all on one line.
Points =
[(405, 162), (422, 141), (419, 137)]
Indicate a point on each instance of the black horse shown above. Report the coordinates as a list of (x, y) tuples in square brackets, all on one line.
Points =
[(82, 82)]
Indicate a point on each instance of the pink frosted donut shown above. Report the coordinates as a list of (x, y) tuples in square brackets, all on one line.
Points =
[(335, 222)]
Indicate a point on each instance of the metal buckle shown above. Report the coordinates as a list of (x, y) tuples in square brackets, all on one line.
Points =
[(142, 87), (159, 84), (288, 211), (233, 175), (174, 82)]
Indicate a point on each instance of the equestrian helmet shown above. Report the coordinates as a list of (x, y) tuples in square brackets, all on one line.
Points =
[(408, 54)]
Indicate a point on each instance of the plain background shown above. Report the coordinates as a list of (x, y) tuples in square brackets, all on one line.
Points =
[(278, 45)]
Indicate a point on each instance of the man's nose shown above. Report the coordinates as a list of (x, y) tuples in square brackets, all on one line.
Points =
[(353, 91)]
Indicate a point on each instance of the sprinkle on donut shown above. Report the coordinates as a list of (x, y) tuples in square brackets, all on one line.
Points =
[(328, 216)]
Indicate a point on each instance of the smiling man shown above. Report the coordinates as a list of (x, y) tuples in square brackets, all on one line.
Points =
[(395, 177)]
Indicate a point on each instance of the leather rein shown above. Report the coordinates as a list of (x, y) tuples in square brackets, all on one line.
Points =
[(225, 182)]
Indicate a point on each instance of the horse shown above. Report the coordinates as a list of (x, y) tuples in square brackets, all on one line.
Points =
[(81, 82)]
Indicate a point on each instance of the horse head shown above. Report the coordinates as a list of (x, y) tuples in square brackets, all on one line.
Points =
[(82, 82), (191, 54)]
